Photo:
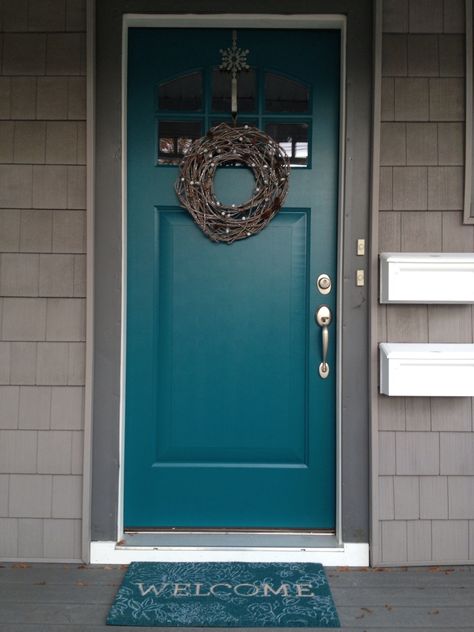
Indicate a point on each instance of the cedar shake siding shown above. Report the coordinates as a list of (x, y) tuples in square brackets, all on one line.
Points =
[(426, 445), (42, 278)]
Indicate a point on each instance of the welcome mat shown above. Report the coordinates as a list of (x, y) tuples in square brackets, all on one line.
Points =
[(224, 595)]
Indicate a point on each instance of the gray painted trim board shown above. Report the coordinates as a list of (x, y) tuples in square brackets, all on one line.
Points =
[(375, 549), (89, 373), (469, 147)]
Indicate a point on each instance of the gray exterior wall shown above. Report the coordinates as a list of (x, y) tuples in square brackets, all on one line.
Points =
[(42, 277), (426, 446)]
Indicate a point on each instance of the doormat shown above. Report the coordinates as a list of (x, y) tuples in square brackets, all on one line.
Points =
[(224, 595)]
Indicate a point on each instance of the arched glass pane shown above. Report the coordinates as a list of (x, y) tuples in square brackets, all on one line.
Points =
[(285, 95), (246, 91), (181, 95)]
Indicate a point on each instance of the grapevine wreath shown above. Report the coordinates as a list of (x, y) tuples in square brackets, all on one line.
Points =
[(240, 145)]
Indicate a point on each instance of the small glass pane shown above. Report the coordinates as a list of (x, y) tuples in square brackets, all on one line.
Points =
[(167, 146), (221, 91), (285, 95), (293, 138), (183, 94), (174, 139)]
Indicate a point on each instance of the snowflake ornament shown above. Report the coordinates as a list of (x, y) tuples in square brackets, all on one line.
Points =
[(234, 59)]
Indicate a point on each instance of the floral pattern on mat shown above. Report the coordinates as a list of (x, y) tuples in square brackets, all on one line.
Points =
[(224, 595)]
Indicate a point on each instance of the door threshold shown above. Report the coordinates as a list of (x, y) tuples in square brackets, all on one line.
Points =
[(231, 547), (225, 540)]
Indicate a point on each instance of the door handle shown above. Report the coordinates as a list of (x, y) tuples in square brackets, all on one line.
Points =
[(323, 318)]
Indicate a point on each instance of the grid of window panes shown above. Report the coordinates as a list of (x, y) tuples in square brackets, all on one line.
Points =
[(277, 104)]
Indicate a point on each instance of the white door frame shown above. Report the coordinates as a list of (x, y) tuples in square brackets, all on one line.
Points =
[(329, 550)]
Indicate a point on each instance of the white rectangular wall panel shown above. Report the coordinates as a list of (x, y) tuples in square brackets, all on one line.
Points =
[(433, 370), (411, 277)]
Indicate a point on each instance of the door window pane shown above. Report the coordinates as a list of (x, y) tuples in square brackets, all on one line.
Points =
[(285, 95), (183, 94), (293, 138), (246, 91), (174, 139)]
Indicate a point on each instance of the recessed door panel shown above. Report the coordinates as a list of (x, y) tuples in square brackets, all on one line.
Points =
[(236, 311)]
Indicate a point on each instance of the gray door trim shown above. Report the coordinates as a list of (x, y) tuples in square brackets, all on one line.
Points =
[(89, 359), (373, 289), (108, 256)]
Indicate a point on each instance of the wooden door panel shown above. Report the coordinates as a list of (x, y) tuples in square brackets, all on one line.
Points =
[(228, 423)]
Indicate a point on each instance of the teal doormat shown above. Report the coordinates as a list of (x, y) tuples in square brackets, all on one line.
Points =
[(231, 594)]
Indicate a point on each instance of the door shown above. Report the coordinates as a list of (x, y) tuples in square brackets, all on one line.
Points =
[(229, 423)]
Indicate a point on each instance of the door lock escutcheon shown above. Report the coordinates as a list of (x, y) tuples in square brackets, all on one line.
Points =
[(324, 284)]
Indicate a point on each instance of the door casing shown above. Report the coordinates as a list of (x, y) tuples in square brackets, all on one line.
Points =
[(236, 21), (103, 441)]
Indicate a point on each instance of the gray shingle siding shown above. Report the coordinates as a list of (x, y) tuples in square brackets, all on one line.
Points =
[(426, 446), (42, 278)]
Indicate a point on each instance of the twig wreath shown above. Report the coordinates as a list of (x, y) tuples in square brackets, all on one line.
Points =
[(225, 145)]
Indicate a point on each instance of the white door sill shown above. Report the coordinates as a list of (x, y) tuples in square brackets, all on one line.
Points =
[(327, 553)]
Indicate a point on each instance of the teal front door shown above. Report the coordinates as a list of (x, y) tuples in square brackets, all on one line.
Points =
[(228, 422)]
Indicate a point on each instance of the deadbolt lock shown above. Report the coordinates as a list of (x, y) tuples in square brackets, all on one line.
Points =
[(324, 284)]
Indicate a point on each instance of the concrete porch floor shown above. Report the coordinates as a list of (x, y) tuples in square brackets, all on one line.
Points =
[(73, 597)]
